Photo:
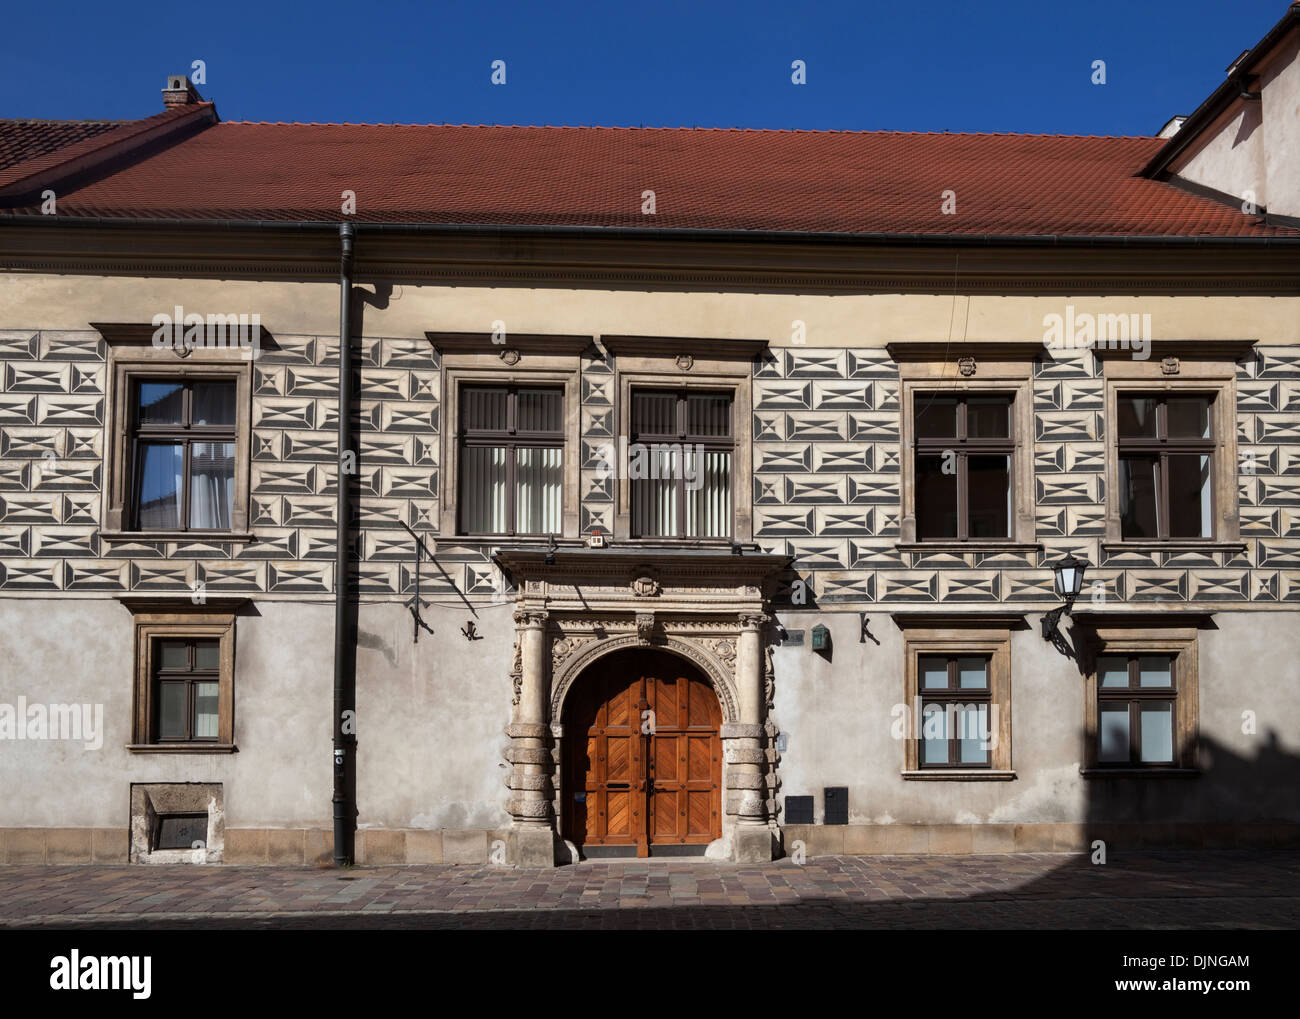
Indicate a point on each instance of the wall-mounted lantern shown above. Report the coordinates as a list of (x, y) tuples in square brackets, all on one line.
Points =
[(821, 638), (1068, 578)]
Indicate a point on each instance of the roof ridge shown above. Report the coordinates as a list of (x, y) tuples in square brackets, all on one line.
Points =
[(719, 130)]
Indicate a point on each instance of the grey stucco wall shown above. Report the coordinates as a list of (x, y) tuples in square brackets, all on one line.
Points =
[(431, 717), (837, 719)]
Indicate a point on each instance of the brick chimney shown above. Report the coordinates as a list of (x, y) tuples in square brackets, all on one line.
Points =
[(180, 91)]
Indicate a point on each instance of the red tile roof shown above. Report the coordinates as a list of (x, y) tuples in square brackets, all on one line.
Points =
[(21, 140), (71, 145), (818, 181)]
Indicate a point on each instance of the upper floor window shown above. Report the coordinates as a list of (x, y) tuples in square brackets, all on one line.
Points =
[(511, 460), (183, 435), (1171, 437), (680, 463), (963, 447), (1165, 446)]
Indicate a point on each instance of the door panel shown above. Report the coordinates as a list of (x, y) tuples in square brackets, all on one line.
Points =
[(626, 787)]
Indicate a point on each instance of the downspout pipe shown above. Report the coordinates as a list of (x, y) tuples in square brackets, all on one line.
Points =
[(344, 688)]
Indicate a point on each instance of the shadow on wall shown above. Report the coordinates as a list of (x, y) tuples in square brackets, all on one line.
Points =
[(1236, 802)]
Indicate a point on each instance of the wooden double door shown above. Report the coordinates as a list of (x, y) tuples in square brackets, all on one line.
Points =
[(643, 755)]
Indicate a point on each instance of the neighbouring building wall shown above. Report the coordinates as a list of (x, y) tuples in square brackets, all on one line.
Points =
[(1251, 152)]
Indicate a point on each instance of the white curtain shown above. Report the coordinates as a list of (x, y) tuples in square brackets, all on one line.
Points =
[(539, 482), (212, 484)]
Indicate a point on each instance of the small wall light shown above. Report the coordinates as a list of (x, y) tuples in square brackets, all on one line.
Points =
[(821, 638)]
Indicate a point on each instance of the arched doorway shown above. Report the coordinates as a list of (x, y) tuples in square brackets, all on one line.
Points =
[(642, 757)]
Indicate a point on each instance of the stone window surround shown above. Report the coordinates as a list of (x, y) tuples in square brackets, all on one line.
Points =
[(1171, 632), (666, 362), (522, 359), (1198, 366), (132, 356), (160, 619), (148, 800), (995, 368), (956, 633)]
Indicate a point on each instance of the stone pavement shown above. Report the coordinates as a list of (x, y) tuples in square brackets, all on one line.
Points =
[(1041, 891)]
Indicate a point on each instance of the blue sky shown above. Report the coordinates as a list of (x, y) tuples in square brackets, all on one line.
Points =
[(1013, 66)]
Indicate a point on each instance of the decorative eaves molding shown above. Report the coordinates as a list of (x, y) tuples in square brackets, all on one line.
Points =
[(1191, 350), (561, 344), (672, 346), (939, 350)]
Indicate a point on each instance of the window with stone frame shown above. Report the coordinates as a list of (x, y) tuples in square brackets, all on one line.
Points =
[(1171, 446), (956, 695), (705, 385), (1141, 680), (178, 439), (184, 675), (966, 436)]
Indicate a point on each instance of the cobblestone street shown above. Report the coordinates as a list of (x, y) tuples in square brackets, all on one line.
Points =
[(1041, 891)]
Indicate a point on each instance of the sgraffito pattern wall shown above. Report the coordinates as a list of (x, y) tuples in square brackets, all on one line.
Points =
[(826, 427), (826, 481)]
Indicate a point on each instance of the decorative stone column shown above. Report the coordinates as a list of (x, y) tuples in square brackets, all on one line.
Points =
[(743, 746), (532, 815)]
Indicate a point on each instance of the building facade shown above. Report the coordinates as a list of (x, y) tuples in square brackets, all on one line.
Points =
[(688, 507)]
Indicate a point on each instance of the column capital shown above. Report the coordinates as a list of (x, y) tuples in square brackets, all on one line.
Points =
[(530, 619), (754, 620)]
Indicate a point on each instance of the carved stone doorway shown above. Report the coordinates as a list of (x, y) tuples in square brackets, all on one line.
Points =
[(642, 763)]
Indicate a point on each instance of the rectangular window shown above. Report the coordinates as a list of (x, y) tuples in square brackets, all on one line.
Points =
[(187, 682), (511, 460), (183, 436), (184, 677), (1137, 714), (680, 464), (955, 695), (1165, 447), (963, 466)]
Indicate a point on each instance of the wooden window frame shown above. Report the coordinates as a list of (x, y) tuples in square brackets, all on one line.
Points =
[(132, 359), (963, 446), (1193, 368), (996, 369), (949, 695), (683, 437), (933, 634), (1144, 637), (191, 676), (1162, 446), (512, 439), (159, 620), (185, 434)]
